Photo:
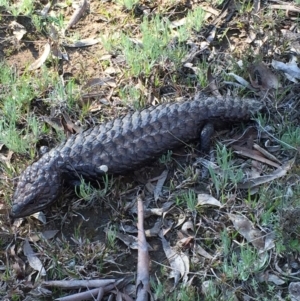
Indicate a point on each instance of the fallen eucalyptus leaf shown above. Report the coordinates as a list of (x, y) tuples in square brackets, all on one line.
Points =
[(42, 59), (33, 260), (82, 43), (77, 14)]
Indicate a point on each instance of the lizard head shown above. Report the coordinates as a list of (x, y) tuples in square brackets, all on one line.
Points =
[(39, 186)]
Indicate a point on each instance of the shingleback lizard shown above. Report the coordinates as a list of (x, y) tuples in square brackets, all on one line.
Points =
[(122, 145)]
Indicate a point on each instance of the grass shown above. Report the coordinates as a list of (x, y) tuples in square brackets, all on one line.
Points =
[(148, 53), (89, 193), (225, 174), (14, 107), (128, 4), (23, 7)]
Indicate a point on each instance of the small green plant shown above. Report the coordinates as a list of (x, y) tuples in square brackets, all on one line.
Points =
[(183, 33), (227, 172), (195, 19), (245, 6), (133, 96), (16, 132), (89, 193), (184, 293), (212, 292), (291, 136), (202, 74), (166, 158), (111, 238), (243, 263), (179, 201), (128, 4), (22, 7), (190, 198), (226, 243), (77, 231), (152, 49)]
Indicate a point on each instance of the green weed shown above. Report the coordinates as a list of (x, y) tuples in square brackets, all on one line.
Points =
[(128, 4), (228, 175)]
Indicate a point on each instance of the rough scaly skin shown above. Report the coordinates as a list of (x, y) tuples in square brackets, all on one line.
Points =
[(122, 145)]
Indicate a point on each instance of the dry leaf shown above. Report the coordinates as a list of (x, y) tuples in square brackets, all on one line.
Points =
[(263, 78), (82, 43), (242, 81), (245, 227), (45, 10), (6, 159), (18, 30), (33, 260), (179, 262), (291, 69), (278, 173), (294, 291), (207, 199), (130, 241), (77, 14), (42, 59), (56, 53), (48, 234), (266, 153), (159, 211), (105, 82), (111, 70), (188, 225), (154, 231), (213, 84), (249, 153), (53, 33), (40, 216), (202, 252), (267, 276)]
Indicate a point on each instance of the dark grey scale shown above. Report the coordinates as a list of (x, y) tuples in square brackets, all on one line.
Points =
[(76, 151), (101, 137)]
